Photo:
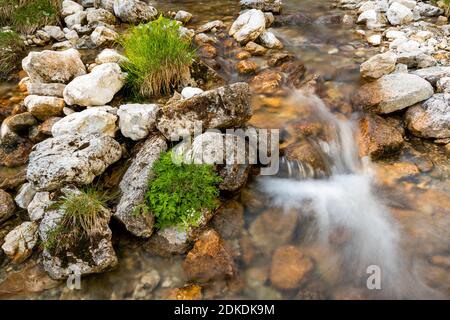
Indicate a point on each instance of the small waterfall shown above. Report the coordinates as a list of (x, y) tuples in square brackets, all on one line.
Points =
[(345, 201)]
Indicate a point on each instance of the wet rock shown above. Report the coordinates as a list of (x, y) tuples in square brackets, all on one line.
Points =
[(137, 120), (378, 137), (96, 88), (228, 221), (268, 40), (242, 55), (12, 177), (43, 107), (273, 228), (246, 67), (7, 206), (393, 92), (308, 157), (148, 282), (134, 11), (248, 26), (209, 259), (19, 243), (263, 5), (289, 267), (278, 58), (19, 122), (189, 92), (255, 49), (109, 56), (69, 7), (297, 19), (191, 292), (183, 16), (71, 159), (431, 119), (95, 121), (46, 89), (398, 14), (134, 185), (53, 66), (268, 81), (14, 150), (433, 74), (25, 195), (378, 65), (295, 71), (102, 35), (208, 51), (37, 206), (226, 106), (100, 15), (209, 26)]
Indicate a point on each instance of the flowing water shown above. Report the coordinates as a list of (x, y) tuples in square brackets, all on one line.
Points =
[(350, 217)]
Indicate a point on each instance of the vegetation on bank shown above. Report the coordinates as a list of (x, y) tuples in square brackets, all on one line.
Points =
[(12, 49), (84, 214), (179, 192), (158, 57)]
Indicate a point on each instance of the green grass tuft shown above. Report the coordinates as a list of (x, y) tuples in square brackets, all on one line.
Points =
[(178, 193), (158, 58), (12, 50)]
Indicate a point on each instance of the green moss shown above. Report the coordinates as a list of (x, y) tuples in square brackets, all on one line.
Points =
[(158, 57), (178, 193), (12, 50)]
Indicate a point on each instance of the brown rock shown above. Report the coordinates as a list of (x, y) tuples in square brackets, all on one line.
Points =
[(20, 122), (12, 177), (208, 51), (278, 58), (209, 259), (304, 153), (255, 49), (192, 292), (289, 267), (14, 150), (295, 71), (268, 81), (242, 55), (229, 220), (377, 138), (246, 67), (7, 205)]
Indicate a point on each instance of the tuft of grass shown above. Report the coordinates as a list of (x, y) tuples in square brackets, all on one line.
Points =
[(12, 50), (158, 57), (179, 192), (84, 216), (27, 16)]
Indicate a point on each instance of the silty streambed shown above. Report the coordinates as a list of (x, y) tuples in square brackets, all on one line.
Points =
[(354, 215)]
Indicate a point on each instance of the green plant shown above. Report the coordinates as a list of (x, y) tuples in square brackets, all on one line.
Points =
[(84, 215), (179, 192), (158, 57), (26, 16), (12, 50)]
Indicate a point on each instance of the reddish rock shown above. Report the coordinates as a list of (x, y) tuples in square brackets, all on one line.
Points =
[(208, 51), (289, 268), (255, 49), (246, 67), (192, 292), (268, 81), (306, 154), (209, 259), (242, 55)]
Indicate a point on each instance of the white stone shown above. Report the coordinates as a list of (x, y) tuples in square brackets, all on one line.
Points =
[(103, 34), (19, 242), (69, 7), (25, 195), (37, 206), (399, 14), (78, 18), (109, 56), (374, 40), (183, 16), (267, 39), (443, 85), (378, 65), (137, 120), (189, 92), (248, 26), (54, 32), (134, 11)]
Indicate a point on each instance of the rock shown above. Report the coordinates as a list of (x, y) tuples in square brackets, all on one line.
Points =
[(53, 66), (398, 14), (226, 106), (228, 221), (209, 259), (248, 26), (183, 16), (19, 243), (243, 55), (263, 5), (19, 122), (378, 65), (289, 267), (273, 228), (431, 119), (44, 107), (7, 206), (247, 67), (433, 74), (92, 121), (54, 32), (109, 56), (102, 35), (147, 283), (70, 159), (255, 49), (72, 36), (25, 195), (267, 82), (78, 18), (69, 7), (278, 58), (378, 138), (46, 89), (134, 185), (37, 206), (208, 51), (189, 92), (374, 40), (191, 292), (100, 15), (96, 88), (209, 26), (137, 120), (268, 40), (393, 92), (443, 85), (12, 177), (134, 11), (93, 255), (14, 150)]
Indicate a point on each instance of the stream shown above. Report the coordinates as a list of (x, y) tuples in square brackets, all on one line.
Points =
[(354, 217)]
